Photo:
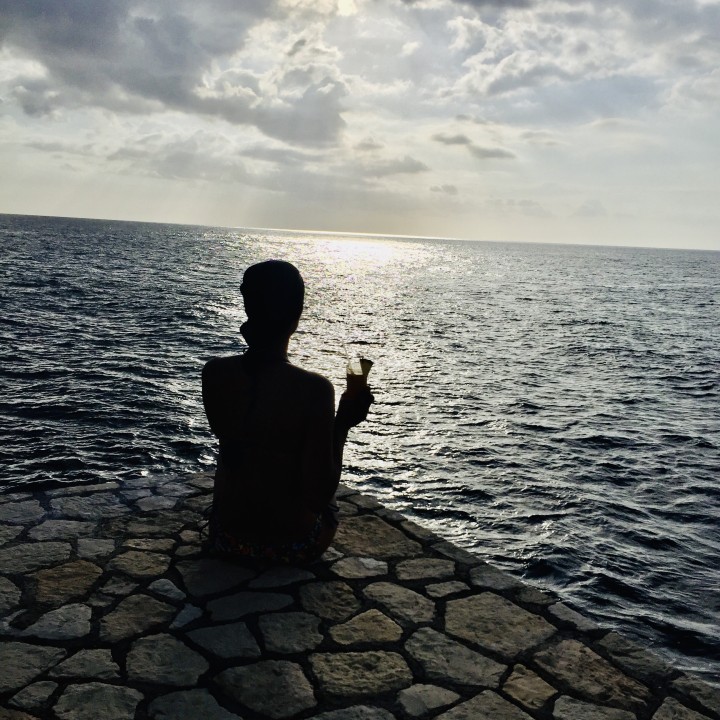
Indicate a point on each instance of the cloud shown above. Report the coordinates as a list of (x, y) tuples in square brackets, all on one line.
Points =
[(409, 48), (201, 156), (141, 57), (452, 139), (368, 145), (482, 153), (279, 155), (59, 148), (523, 207), (446, 189), (539, 137), (491, 153), (402, 166), (591, 209)]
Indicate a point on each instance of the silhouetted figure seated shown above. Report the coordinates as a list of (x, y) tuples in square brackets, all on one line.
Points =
[(281, 443)]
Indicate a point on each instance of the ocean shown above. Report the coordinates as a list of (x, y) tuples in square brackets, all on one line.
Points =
[(552, 407)]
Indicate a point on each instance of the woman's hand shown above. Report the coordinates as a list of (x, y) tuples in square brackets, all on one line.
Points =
[(353, 408)]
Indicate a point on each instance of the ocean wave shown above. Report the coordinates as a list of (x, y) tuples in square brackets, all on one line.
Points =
[(562, 423)]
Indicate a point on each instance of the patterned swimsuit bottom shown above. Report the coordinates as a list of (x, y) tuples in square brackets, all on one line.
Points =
[(294, 552)]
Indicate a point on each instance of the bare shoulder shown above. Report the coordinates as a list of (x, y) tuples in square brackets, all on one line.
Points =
[(218, 368), (314, 383)]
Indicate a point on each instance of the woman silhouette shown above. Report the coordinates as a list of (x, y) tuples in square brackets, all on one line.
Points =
[(281, 442)]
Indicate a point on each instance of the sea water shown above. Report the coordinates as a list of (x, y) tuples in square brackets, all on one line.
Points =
[(552, 407)]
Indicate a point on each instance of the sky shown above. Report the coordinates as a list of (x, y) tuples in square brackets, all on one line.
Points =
[(584, 121)]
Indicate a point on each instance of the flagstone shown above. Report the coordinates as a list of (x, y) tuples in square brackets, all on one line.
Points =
[(458, 554), (65, 623), (405, 605), (445, 661), (333, 600), (118, 586), (634, 659), (8, 533), (570, 617), (360, 674), (232, 640), (276, 688), (590, 676), (167, 589), (365, 502), (533, 596), (83, 489), (707, 695), (369, 536), (62, 529), (367, 628), (35, 696), (189, 705), (444, 589), (234, 607), (82, 702), (425, 569), (485, 705), (139, 564), (8, 714), (90, 664), (179, 489), (494, 623), (528, 688), (207, 576), (187, 551), (26, 557), (360, 567), (490, 578), (133, 616), (64, 582), (419, 532), (156, 502), (94, 548), (420, 700), (356, 712), (567, 708), (88, 507), (21, 513), (671, 709), (162, 525), (289, 633), (164, 660), (151, 544), (22, 662), (9, 595), (204, 481), (280, 576), (187, 615)]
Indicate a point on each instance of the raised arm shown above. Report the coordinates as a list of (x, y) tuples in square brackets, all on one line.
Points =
[(352, 410), (325, 439)]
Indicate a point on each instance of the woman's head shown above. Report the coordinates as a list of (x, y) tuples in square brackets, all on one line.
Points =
[(273, 292)]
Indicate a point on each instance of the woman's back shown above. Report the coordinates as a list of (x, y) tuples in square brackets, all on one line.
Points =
[(281, 443), (275, 426)]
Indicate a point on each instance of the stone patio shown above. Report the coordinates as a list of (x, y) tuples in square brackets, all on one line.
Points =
[(108, 609)]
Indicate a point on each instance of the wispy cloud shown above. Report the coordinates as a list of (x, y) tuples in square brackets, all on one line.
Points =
[(478, 151)]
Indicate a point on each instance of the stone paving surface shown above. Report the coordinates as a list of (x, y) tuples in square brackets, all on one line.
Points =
[(109, 609)]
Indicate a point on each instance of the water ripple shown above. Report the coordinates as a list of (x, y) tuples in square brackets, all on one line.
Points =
[(552, 407)]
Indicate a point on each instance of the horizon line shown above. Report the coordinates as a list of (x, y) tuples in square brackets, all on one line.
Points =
[(350, 233)]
